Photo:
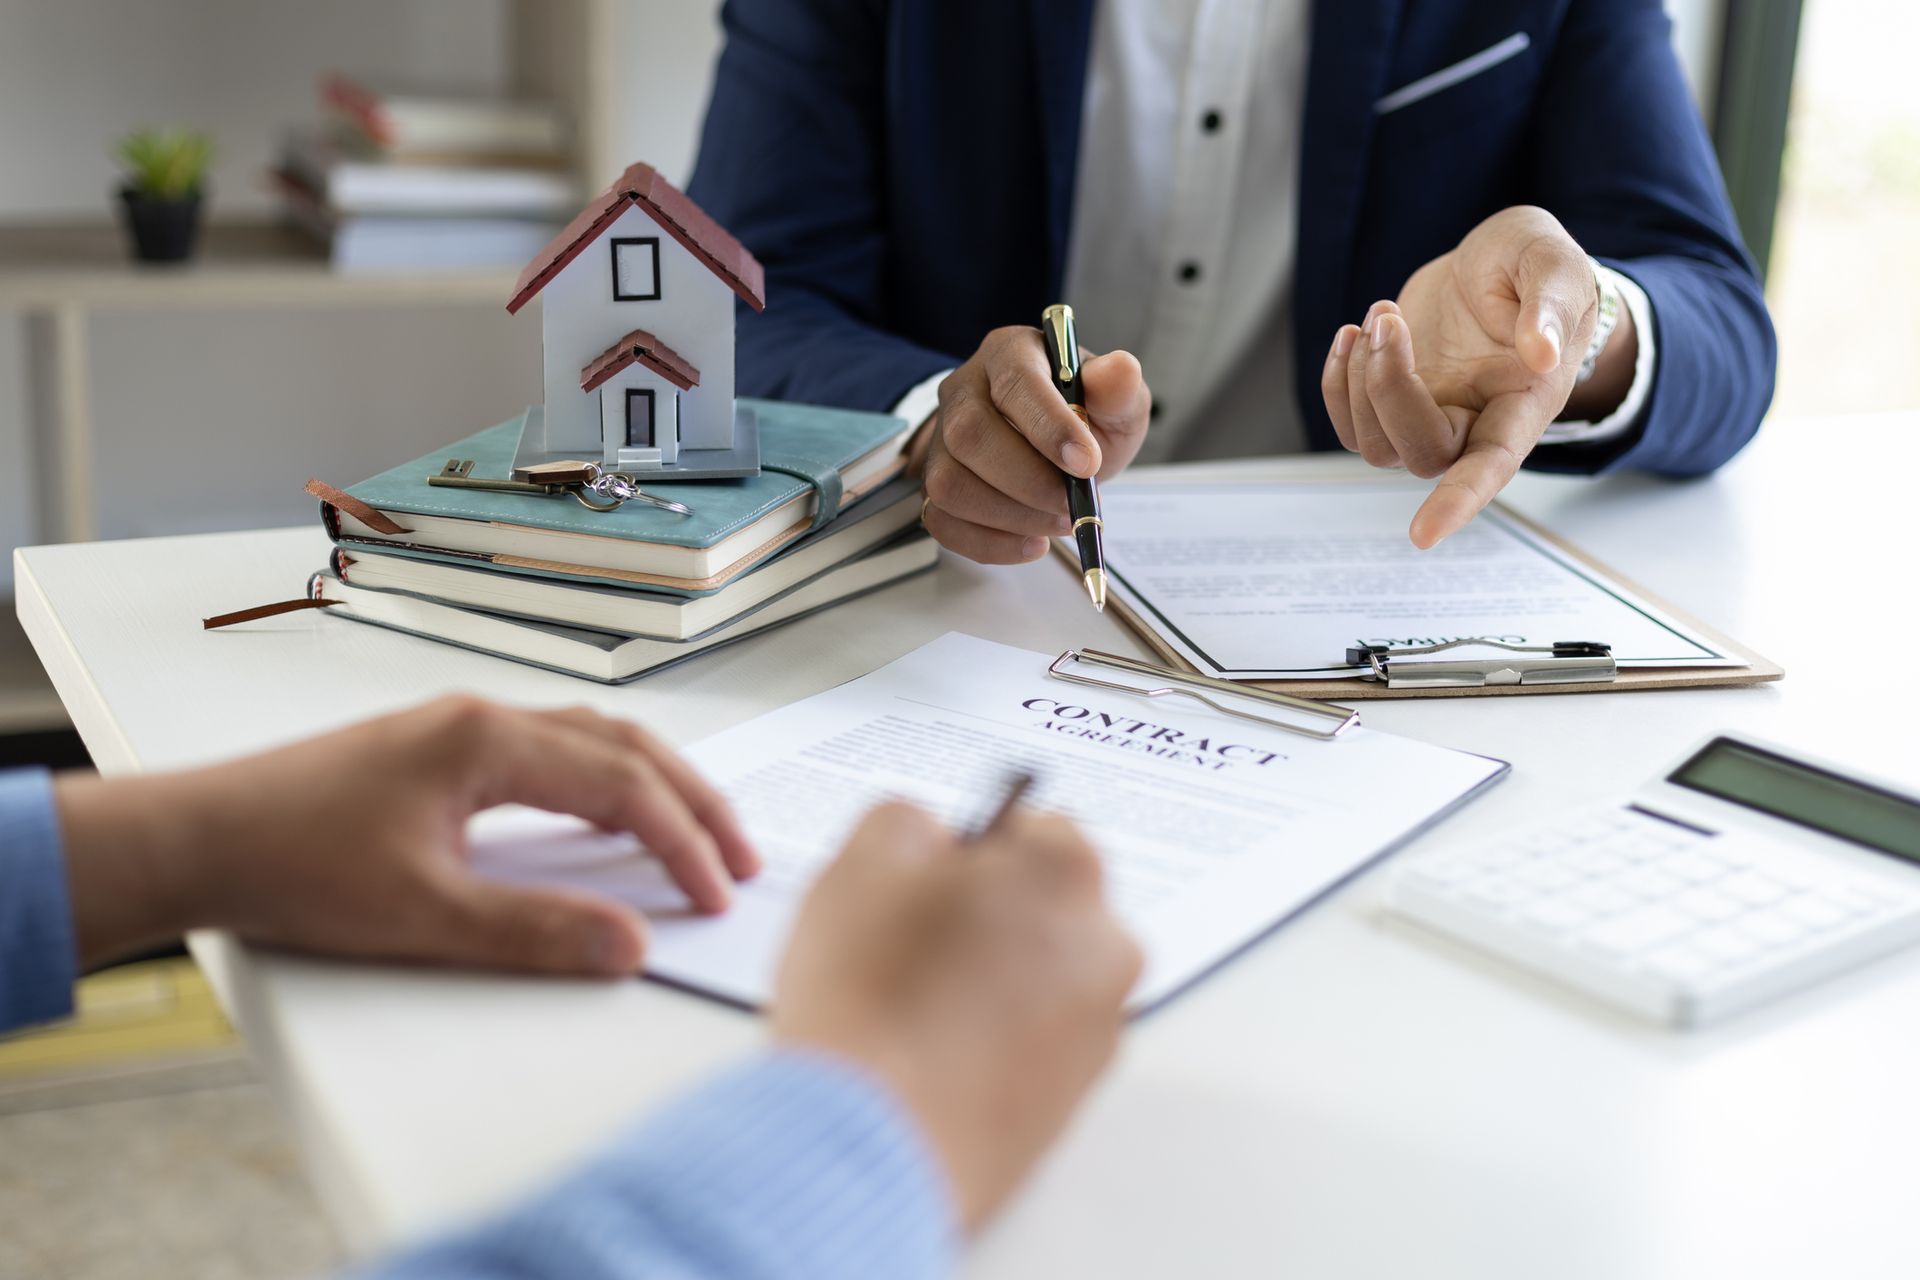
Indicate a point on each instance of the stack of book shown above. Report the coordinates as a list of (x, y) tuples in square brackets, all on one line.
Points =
[(407, 182), (614, 595)]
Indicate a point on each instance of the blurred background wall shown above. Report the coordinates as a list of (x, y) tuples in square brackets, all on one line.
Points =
[(281, 394)]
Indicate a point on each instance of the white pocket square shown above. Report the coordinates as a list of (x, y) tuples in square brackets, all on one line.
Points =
[(1445, 78)]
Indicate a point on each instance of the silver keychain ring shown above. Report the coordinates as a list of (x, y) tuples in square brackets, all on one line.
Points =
[(609, 490), (665, 504)]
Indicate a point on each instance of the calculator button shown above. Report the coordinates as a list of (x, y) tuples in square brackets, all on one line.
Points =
[(1772, 928), (1854, 900), (1603, 899), (1753, 889), (1651, 882), (1557, 915), (1709, 905), (1682, 963), (1545, 874), (1594, 861), (1636, 849), (1498, 858), (1814, 912), (1501, 891), (1727, 945), (1638, 930), (1694, 867)]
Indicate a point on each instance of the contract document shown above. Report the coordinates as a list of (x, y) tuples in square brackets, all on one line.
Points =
[(1211, 829), (1274, 580)]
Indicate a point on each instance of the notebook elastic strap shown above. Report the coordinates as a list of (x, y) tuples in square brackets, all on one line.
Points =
[(823, 476)]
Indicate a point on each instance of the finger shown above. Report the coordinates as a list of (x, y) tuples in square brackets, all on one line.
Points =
[(895, 832), (898, 825), (1022, 388), (958, 491), (536, 930), (1048, 850), (526, 759), (1502, 436), (1119, 406), (976, 435), (979, 543), (1558, 296), (709, 808), (1333, 385), (1415, 426), (1368, 436)]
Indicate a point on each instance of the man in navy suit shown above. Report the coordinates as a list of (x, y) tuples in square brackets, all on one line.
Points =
[(1450, 237)]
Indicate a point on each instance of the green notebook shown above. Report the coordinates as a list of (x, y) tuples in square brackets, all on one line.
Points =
[(814, 462)]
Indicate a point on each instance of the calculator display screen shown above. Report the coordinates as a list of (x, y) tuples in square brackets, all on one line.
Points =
[(1804, 795)]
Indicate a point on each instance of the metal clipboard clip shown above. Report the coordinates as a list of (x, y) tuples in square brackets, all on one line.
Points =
[(1189, 685), (1567, 662)]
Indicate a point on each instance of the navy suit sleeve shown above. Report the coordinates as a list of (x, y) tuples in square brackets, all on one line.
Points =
[(790, 162), (1622, 159)]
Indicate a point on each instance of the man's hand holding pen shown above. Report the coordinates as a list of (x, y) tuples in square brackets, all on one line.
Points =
[(992, 457)]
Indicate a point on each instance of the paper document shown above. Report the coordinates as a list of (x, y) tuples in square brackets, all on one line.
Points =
[(1276, 580), (1211, 829)]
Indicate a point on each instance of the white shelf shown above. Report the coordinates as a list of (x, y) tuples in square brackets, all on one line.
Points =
[(238, 265)]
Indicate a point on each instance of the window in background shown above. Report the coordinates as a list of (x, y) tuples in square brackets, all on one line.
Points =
[(1846, 254)]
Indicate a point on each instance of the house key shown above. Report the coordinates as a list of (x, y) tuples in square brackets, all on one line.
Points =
[(591, 487), (610, 488)]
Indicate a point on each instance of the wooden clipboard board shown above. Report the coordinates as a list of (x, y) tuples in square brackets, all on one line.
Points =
[(1755, 669)]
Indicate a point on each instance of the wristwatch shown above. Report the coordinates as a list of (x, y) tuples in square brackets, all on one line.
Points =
[(1606, 286)]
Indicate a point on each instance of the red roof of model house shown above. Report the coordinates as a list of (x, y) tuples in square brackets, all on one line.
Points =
[(640, 347), (684, 220)]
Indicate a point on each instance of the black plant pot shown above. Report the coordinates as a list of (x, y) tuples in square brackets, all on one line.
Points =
[(162, 230)]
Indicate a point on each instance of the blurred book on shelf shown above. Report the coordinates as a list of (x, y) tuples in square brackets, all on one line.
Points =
[(421, 182), (439, 127)]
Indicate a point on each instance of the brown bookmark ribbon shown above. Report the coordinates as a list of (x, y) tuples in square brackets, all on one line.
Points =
[(369, 516), (264, 611)]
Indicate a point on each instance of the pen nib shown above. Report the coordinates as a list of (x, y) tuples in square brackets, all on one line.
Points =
[(1096, 580)]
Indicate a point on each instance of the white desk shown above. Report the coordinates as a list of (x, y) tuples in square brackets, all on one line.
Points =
[(1345, 1099)]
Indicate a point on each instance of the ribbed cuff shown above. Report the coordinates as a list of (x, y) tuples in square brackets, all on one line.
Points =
[(37, 959)]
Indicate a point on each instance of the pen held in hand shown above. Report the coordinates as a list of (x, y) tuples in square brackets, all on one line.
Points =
[(1083, 495), (1017, 787)]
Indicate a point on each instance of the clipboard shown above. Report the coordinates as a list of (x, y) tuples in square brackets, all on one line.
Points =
[(1754, 668)]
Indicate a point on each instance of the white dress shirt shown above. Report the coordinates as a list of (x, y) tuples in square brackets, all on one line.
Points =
[(1186, 204)]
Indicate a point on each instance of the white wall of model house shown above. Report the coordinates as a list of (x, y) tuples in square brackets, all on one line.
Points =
[(693, 316)]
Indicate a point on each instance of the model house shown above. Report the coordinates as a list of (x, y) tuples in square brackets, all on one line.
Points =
[(637, 335)]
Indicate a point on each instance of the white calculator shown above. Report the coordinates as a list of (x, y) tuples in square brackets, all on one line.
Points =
[(1744, 873)]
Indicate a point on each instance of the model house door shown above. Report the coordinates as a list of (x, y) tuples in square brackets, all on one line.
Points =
[(640, 419)]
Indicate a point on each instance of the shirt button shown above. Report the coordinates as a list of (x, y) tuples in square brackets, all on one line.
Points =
[(1189, 272), (1210, 122)]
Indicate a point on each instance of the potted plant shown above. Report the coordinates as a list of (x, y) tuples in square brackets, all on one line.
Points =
[(163, 190)]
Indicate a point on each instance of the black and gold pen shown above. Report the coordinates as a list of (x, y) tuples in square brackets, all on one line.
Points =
[(1083, 496)]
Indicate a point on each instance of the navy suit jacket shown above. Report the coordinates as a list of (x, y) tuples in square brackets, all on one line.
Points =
[(905, 171)]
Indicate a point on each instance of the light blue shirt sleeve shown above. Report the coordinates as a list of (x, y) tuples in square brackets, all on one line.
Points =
[(37, 959), (794, 1165)]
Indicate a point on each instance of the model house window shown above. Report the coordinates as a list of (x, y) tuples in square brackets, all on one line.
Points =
[(636, 269), (640, 419)]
